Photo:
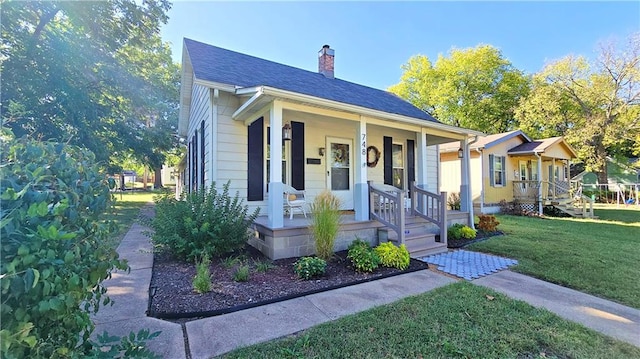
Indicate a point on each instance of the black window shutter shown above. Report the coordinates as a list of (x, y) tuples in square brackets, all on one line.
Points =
[(411, 164), (194, 177), (387, 144), (297, 155), (255, 172), (189, 165), (202, 153)]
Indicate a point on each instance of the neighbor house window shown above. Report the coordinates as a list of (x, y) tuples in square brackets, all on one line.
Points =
[(398, 165), (497, 171)]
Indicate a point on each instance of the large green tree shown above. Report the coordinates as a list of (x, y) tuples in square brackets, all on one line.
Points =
[(90, 73), (596, 106), (475, 88)]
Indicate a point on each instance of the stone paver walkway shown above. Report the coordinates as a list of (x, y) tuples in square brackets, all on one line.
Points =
[(469, 265)]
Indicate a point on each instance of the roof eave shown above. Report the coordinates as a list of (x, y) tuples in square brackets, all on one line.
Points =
[(278, 93)]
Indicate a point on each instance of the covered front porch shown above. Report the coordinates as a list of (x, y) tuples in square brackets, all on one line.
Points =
[(394, 218), (334, 147)]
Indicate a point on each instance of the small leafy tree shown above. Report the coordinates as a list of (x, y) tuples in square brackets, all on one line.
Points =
[(55, 252), (326, 223), (203, 222)]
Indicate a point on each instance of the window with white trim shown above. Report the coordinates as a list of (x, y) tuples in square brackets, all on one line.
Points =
[(397, 156), (497, 171)]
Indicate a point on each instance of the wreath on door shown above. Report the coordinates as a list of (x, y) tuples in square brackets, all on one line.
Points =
[(373, 155)]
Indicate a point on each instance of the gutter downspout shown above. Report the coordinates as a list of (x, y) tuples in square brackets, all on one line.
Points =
[(540, 211), (468, 164)]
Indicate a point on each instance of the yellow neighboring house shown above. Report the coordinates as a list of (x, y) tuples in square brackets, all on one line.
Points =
[(510, 166)]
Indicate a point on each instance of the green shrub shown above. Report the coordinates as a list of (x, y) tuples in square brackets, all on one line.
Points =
[(461, 231), (362, 256), (241, 273), (206, 221), (55, 251), (202, 280), (309, 267), (487, 223), (325, 211), (392, 256)]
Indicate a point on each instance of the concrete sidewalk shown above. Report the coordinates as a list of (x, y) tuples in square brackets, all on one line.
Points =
[(609, 318), (217, 335)]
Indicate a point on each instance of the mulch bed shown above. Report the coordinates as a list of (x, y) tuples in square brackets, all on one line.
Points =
[(171, 294), (481, 236)]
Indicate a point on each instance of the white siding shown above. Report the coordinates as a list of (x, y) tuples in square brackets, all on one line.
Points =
[(200, 111)]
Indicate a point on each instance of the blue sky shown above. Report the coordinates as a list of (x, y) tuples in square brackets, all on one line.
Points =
[(373, 39)]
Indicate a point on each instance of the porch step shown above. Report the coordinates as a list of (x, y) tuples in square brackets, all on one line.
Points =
[(573, 212), (419, 241)]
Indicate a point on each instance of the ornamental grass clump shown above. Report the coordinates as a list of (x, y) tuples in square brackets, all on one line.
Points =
[(325, 211), (202, 280)]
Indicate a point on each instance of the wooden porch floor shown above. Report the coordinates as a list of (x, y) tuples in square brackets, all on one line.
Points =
[(347, 218)]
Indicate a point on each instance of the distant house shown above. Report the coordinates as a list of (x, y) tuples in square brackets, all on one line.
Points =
[(623, 182), (261, 125), (510, 166)]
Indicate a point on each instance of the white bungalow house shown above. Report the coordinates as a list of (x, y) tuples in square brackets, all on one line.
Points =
[(366, 146)]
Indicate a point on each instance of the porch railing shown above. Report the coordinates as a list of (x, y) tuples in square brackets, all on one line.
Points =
[(386, 205), (559, 189), (430, 206), (585, 203), (523, 190), (528, 190)]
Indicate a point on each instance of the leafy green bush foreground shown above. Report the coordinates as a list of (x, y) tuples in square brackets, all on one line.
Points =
[(54, 249), (203, 222)]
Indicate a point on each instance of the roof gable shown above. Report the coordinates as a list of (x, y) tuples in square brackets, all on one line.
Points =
[(542, 145), (214, 64), (487, 141)]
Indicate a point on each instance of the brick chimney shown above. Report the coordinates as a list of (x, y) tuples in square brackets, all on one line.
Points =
[(325, 61)]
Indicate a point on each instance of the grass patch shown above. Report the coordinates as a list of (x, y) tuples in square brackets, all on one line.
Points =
[(455, 321), (126, 210), (597, 256)]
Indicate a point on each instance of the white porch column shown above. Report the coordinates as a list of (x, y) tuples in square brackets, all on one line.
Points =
[(421, 167), (421, 143), (540, 211), (361, 190), (465, 195), (275, 204)]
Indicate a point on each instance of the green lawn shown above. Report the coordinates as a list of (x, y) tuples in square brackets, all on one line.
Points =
[(125, 211), (456, 321), (599, 256)]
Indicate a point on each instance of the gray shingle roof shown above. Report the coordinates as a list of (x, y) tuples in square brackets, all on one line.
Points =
[(211, 63), (535, 146)]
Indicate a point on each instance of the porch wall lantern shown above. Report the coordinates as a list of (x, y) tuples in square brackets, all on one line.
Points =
[(321, 151), (286, 132), (460, 153)]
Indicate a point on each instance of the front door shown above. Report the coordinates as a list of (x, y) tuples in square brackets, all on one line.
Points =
[(524, 175), (340, 169)]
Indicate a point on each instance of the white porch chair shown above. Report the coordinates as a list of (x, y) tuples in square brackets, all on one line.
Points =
[(294, 200)]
